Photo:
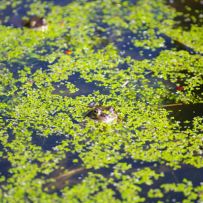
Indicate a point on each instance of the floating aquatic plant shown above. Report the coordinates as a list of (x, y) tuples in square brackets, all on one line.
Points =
[(44, 133)]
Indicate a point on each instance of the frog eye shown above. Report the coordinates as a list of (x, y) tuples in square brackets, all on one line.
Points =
[(98, 111), (95, 111)]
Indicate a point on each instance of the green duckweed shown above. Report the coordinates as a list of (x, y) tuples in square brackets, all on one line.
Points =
[(134, 56)]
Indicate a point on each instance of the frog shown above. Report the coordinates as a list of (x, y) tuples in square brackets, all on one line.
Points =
[(104, 114), (36, 23)]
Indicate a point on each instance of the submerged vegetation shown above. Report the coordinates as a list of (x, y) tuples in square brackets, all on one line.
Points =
[(143, 58)]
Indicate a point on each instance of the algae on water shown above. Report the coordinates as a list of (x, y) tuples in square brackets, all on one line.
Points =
[(137, 56)]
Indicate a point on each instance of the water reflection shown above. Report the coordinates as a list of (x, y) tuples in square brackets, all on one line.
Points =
[(84, 88), (71, 175), (191, 12)]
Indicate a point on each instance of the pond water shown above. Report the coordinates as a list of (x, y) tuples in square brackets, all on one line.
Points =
[(143, 58)]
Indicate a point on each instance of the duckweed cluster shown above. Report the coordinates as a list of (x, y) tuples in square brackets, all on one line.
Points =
[(131, 55)]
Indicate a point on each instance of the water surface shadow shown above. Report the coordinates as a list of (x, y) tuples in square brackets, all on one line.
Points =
[(84, 88)]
